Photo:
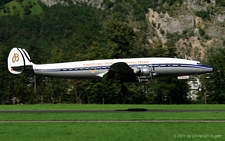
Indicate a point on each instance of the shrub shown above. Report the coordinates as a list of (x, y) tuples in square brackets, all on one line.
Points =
[(203, 14)]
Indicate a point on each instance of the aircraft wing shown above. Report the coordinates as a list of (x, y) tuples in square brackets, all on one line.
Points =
[(120, 71)]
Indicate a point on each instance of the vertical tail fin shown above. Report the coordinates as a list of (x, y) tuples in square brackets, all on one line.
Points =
[(18, 60)]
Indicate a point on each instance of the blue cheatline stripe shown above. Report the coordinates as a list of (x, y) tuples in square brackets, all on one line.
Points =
[(133, 65)]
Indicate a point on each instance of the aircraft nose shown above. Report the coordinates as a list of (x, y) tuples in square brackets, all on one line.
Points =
[(212, 69), (207, 69)]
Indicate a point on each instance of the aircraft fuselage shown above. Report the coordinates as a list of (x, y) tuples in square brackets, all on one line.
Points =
[(94, 69)]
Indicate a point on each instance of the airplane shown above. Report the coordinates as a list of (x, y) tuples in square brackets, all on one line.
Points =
[(124, 70)]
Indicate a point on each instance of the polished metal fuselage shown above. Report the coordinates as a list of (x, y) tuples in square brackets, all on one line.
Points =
[(95, 69)]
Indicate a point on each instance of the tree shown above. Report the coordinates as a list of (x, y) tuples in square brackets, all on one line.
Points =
[(215, 90), (120, 37), (96, 51), (27, 10), (81, 32), (220, 2), (35, 52), (59, 86), (168, 90), (5, 77), (203, 14), (2, 2)]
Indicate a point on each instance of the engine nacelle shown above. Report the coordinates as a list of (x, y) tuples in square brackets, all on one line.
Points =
[(142, 71)]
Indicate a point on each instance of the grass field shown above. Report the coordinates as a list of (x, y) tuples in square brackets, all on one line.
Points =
[(110, 107), (16, 8), (112, 131), (51, 129), (134, 116)]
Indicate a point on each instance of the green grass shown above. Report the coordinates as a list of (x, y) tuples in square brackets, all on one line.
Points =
[(36, 9), (101, 131), (112, 131), (115, 116), (110, 107), (119, 115), (16, 8)]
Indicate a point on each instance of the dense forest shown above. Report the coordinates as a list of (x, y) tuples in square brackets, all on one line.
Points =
[(74, 32)]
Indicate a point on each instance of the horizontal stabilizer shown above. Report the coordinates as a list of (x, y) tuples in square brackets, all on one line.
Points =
[(101, 74)]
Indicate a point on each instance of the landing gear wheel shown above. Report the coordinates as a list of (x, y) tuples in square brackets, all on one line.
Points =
[(123, 90)]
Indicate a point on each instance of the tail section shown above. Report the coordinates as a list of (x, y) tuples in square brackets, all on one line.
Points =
[(18, 61)]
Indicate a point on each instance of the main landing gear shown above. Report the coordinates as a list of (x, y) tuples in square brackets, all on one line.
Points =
[(123, 89)]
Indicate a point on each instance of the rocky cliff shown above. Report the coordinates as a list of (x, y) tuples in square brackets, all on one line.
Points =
[(195, 34), (194, 25), (95, 3)]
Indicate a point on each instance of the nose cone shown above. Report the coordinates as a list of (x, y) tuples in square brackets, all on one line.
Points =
[(212, 69), (206, 69)]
